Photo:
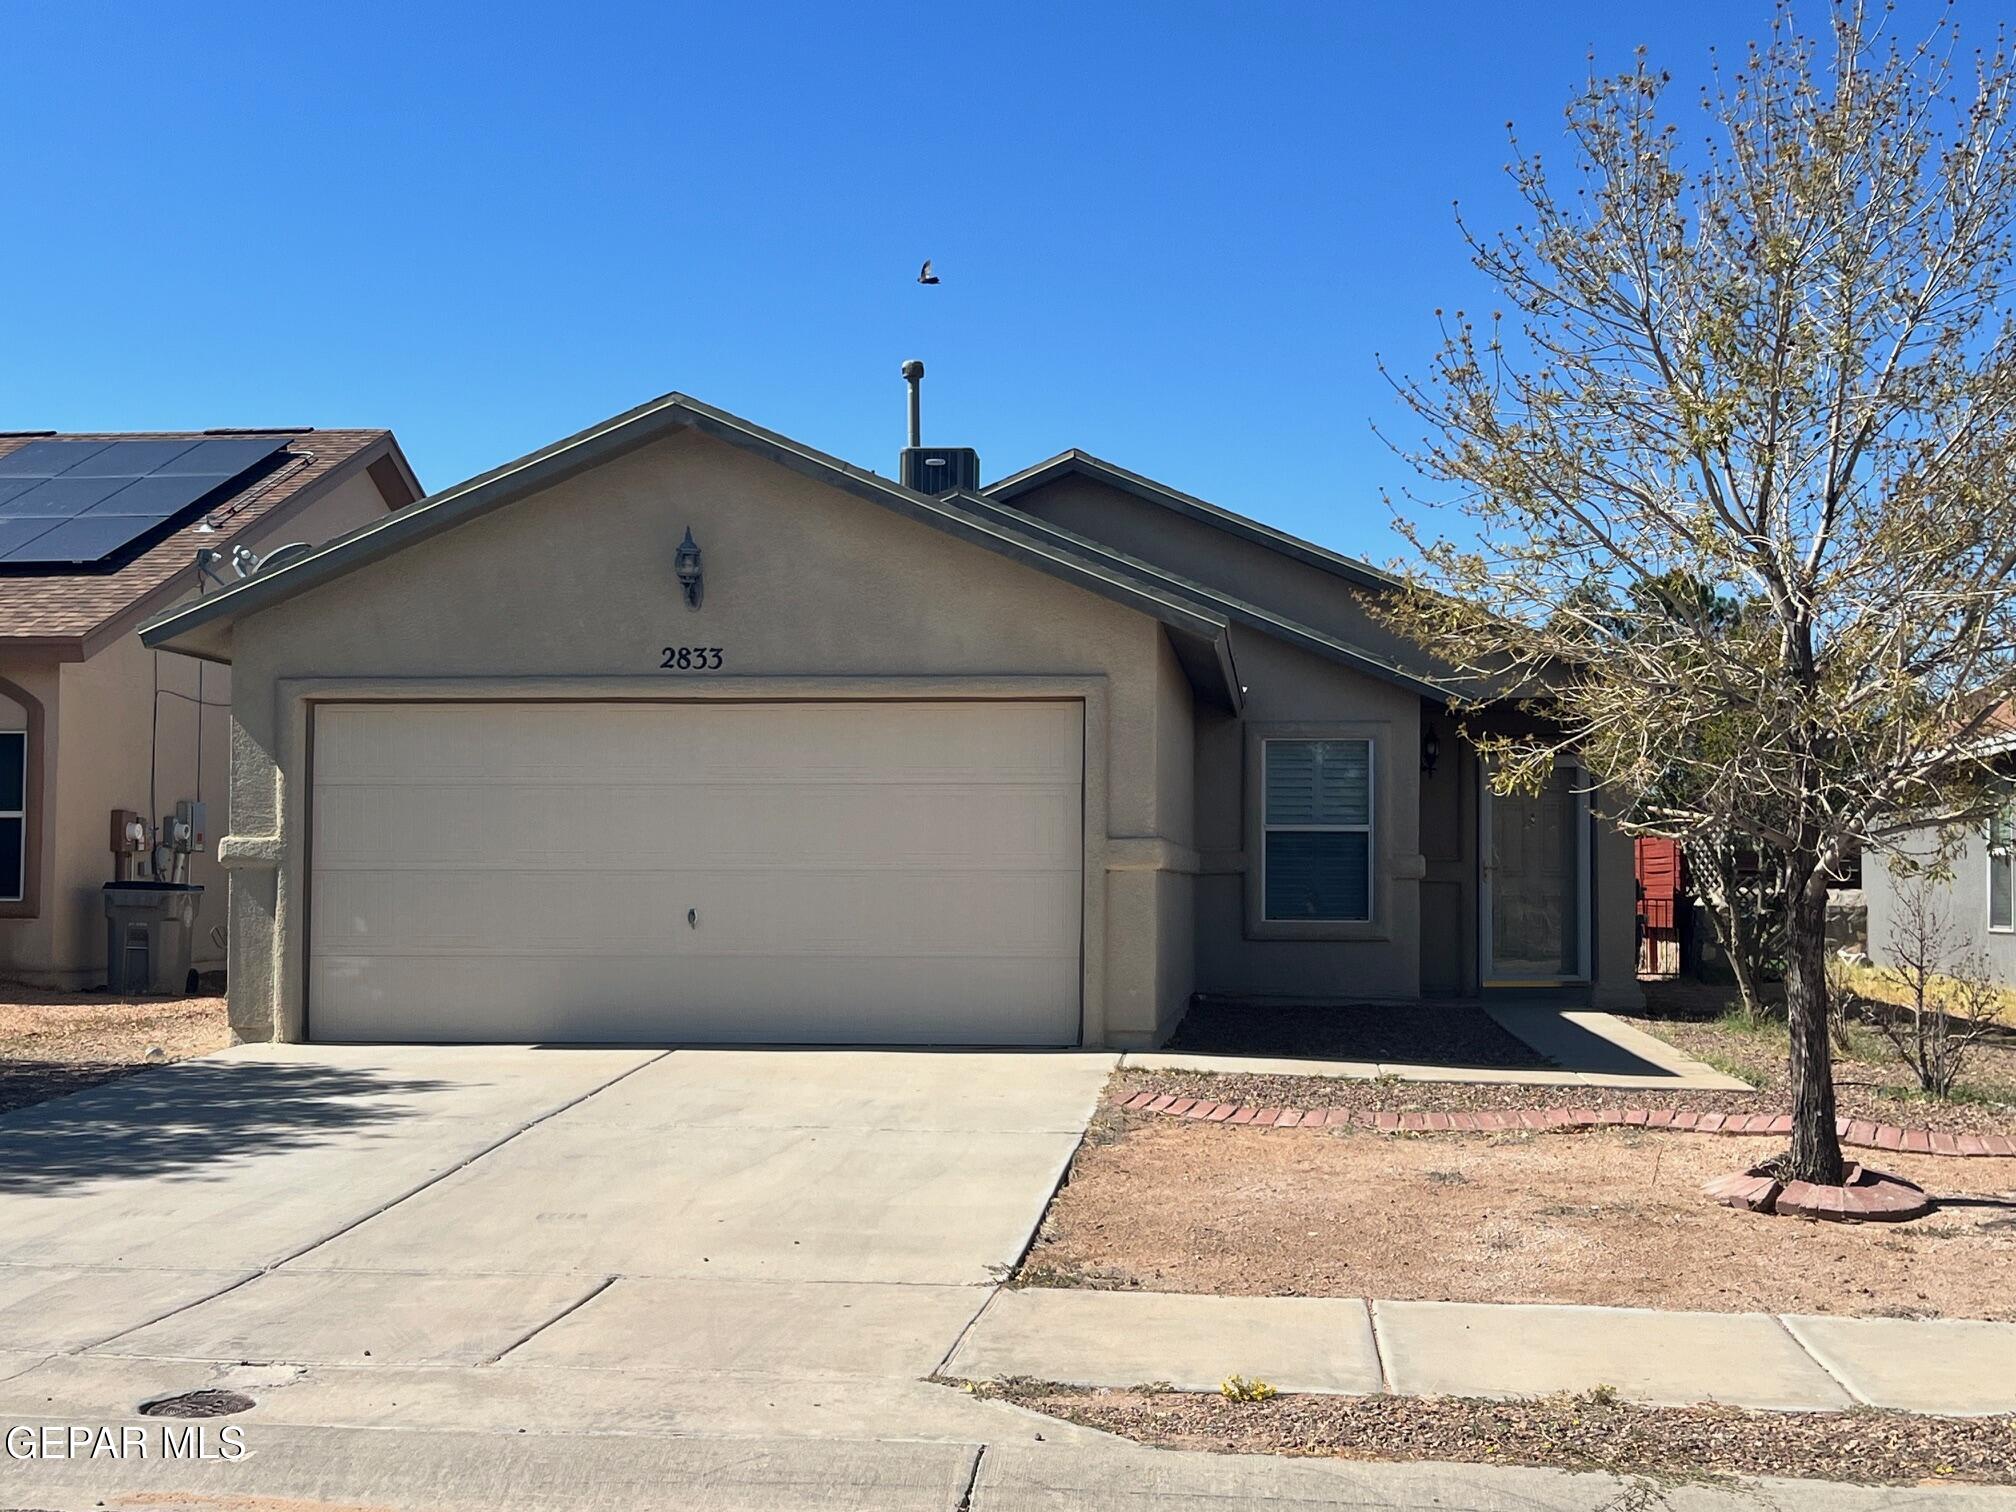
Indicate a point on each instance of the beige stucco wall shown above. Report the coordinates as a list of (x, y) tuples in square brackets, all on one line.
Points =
[(1424, 936), (1290, 693), (806, 588), (99, 735)]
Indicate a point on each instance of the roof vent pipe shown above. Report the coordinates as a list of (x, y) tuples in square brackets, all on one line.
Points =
[(942, 469), (913, 374)]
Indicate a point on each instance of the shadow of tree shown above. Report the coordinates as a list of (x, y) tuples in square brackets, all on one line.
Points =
[(194, 1119), (24, 1083), (1443, 1034)]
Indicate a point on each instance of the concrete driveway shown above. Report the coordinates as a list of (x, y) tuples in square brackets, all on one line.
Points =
[(465, 1205), (457, 1279)]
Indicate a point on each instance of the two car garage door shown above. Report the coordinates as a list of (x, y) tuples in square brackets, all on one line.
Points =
[(894, 873)]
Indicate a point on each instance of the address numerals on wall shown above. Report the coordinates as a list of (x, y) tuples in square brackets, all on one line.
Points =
[(691, 659)]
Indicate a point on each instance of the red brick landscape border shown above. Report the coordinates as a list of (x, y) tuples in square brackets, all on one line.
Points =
[(1853, 1131)]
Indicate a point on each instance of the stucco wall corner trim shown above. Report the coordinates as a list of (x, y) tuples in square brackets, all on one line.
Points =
[(251, 852), (1149, 853)]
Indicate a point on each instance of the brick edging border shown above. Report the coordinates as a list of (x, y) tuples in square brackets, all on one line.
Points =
[(1859, 1132)]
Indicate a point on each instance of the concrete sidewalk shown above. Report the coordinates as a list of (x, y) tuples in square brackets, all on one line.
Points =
[(1348, 1346)]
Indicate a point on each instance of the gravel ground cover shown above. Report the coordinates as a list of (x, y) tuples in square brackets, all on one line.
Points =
[(1439, 1034), (1586, 1432), (53, 1043)]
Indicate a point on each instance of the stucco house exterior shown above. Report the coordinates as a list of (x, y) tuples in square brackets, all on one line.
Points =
[(679, 730), (91, 721), (1972, 895)]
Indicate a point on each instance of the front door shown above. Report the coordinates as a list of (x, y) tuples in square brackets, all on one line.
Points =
[(1535, 895)]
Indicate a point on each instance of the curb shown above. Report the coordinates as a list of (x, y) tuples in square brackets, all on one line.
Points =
[(1859, 1132)]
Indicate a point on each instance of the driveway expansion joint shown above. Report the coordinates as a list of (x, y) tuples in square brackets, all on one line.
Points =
[(571, 1308), (380, 1209)]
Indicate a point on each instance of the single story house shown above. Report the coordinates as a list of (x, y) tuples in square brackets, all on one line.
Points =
[(1972, 898), (98, 533), (678, 730)]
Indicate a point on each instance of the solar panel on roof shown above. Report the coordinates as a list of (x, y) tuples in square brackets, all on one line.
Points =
[(75, 503), (65, 496), (45, 459), (130, 459)]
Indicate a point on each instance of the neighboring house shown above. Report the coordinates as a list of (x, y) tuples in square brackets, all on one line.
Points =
[(1973, 894), (99, 532), (678, 730)]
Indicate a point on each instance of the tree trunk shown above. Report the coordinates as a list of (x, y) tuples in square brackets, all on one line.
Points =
[(1716, 876), (1816, 1144), (1735, 939)]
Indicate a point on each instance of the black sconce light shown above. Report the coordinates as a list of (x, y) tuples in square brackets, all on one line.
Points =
[(686, 567), (1431, 750)]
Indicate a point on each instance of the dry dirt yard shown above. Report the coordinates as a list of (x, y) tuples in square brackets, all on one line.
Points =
[(1609, 1217), (52, 1043)]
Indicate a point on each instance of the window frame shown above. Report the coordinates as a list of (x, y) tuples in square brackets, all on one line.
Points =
[(33, 734), (2004, 818), (1383, 743)]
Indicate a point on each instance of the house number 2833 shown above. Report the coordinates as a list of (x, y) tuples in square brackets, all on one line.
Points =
[(691, 659)]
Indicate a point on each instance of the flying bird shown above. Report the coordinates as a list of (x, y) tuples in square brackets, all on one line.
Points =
[(925, 275)]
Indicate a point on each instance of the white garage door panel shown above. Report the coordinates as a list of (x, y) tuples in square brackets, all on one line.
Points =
[(878, 873), (568, 826)]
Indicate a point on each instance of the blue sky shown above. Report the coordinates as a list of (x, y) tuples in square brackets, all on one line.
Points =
[(1176, 235)]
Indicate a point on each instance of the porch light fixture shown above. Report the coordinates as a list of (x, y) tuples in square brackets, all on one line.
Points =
[(686, 567), (1431, 751)]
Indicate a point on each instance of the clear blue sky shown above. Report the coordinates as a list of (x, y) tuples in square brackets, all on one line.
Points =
[(1175, 234)]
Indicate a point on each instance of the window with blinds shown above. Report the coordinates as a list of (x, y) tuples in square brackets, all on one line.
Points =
[(13, 815), (1317, 847), (2002, 871)]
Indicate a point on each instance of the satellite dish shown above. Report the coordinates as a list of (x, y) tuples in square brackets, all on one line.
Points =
[(284, 556)]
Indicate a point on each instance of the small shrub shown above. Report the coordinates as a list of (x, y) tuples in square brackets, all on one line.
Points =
[(1949, 1000), (1239, 1388)]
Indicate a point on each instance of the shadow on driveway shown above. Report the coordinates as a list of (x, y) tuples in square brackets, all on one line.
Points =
[(196, 1119)]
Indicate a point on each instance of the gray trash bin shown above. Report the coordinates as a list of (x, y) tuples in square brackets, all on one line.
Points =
[(149, 929)]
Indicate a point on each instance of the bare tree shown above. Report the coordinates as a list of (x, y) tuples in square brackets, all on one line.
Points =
[(1949, 1000), (1778, 363)]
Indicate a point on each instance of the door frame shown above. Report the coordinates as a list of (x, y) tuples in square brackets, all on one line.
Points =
[(1582, 976), (284, 851)]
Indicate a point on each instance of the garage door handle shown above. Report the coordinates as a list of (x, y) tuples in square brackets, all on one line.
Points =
[(692, 919)]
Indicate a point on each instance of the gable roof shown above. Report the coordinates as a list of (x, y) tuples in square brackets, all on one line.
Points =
[(1198, 634), (1084, 464), (1238, 611), (74, 613)]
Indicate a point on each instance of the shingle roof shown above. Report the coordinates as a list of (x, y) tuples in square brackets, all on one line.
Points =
[(74, 604)]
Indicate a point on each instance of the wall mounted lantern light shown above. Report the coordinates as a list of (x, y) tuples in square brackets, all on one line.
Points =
[(1431, 750), (686, 566)]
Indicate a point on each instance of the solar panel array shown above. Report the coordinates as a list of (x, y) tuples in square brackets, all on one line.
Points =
[(80, 503)]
